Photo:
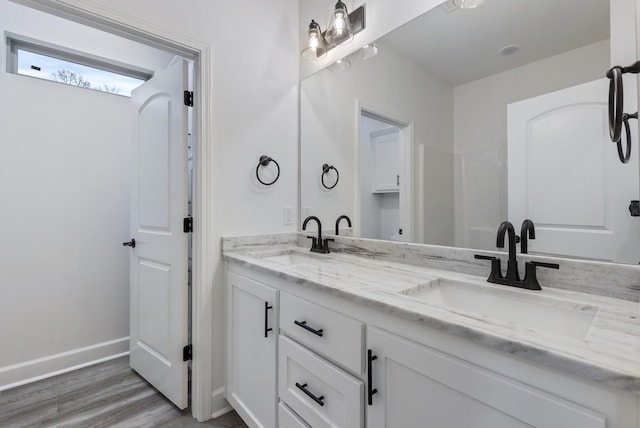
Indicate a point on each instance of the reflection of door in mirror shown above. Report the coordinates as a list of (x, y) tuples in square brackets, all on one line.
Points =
[(564, 174), (383, 178)]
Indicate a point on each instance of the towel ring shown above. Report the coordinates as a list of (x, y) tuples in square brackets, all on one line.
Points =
[(325, 169), (624, 157), (616, 105), (616, 101), (264, 161)]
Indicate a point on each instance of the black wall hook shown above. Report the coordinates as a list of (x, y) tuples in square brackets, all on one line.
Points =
[(265, 161), (325, 170)]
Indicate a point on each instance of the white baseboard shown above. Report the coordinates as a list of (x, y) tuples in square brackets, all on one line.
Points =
[(51, 365), (219, 403)]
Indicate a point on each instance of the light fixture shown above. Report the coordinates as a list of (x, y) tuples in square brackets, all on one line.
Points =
[(315, 45), (340, 66), (467, 4), (508, 50), (342, 27), (367, 51), (339, 31)]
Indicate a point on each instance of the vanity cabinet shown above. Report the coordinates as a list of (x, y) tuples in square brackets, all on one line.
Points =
[(252, 341), (313, 369), (419, 386)]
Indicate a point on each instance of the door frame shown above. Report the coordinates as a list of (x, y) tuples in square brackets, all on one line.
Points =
[(407, 141), (115, 22)]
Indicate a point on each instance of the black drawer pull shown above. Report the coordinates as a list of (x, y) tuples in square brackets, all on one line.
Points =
[(304, 389), (266, 318), (370, 389), (304, 325)]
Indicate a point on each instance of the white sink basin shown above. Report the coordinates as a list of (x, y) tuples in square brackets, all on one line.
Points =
[(292, 258), (521, 307)]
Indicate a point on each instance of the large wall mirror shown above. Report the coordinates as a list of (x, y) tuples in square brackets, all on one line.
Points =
[(468, 117)]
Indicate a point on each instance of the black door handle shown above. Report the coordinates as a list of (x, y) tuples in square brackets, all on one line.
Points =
[(131, 243)]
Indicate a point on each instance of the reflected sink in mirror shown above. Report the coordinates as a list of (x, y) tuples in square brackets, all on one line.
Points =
[(292, 258), (524, 308)]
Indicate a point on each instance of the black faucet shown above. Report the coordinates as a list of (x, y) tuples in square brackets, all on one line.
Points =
[(527, 230), (338, 222), (512, 264), (318, 245)]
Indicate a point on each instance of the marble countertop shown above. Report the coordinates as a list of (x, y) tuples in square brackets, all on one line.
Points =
[(608, 351)]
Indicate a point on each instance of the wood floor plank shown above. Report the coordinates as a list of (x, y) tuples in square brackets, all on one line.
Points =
[(109, 394)]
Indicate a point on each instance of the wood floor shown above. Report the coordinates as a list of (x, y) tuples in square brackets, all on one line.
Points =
[(105, 395)]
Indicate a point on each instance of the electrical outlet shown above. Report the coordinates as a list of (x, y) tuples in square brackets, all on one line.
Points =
[(287, 216)]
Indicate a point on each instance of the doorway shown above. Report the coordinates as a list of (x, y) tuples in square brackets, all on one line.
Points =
[(71, 306), (384, 148)]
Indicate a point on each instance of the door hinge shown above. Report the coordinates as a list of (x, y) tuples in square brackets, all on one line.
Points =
[(186, 353), (188, 98), (187, 224)]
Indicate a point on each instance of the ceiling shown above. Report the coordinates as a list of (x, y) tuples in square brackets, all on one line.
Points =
[(462, 45)]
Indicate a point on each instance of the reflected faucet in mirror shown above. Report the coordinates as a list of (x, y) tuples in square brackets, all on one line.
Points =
[(527, 231), (342, 217)]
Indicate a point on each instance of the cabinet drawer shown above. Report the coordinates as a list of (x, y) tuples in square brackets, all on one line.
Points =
[(329, 333), (288, 419), (323, 395)]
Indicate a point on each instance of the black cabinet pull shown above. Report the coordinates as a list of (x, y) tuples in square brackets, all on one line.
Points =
[(370, 389), (311, 395), (304, 325), (267, 306)]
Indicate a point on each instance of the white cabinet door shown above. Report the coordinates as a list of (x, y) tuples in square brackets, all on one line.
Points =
[(251, 341), (420, 387), (385, 152)]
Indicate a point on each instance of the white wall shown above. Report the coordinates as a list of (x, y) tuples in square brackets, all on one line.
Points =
[(394, 87), (480, 133), (64, 174)]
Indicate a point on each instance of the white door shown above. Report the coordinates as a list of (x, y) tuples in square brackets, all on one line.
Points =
[(564, 175), (159, 294)]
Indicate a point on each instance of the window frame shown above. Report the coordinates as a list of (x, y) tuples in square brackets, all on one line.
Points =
[(16, 42)]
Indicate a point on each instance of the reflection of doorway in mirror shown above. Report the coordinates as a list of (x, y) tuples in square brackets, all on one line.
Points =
[(383, 190)]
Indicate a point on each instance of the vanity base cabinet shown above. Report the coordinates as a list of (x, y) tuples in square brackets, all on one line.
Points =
[(252, 340), (420, 386), (424, 377)]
